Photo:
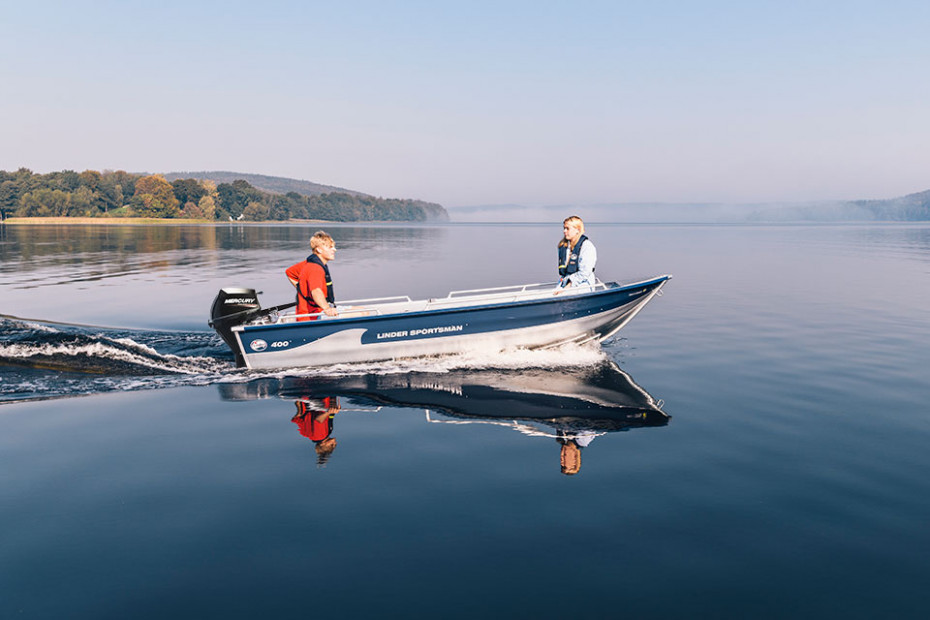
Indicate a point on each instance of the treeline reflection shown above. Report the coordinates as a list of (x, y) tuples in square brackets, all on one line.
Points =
[(27, 247)]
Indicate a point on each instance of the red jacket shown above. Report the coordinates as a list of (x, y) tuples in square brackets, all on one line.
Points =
[(307, 276)]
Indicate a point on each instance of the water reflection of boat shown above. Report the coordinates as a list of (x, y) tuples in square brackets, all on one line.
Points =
[(600, 399), (573, 407)]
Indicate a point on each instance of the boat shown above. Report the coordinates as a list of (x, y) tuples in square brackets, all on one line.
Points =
[(372, 330)]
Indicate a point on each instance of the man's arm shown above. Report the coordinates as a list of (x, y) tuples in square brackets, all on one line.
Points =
[(293, 273), (319, 298)]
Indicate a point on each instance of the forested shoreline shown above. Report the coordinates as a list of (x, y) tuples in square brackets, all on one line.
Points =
[(112, 194)]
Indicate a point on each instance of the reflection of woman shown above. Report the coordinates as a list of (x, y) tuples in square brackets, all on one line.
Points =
[(314, 418), (577, 255), (571, 450)]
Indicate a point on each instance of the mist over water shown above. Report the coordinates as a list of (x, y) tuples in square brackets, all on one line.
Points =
[(753, 443), (671, 213)]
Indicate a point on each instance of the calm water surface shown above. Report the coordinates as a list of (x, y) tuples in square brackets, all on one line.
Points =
[(141, 474)]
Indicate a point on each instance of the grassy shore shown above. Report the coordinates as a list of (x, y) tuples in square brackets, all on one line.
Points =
[(99, 220), (140, 221)]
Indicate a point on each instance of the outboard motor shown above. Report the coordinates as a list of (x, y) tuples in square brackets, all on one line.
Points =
[(233, 306)]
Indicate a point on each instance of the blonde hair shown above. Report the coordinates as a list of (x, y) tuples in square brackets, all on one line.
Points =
[(577, 221), (320, 239)]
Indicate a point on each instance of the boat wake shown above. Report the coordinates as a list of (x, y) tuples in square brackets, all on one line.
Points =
[(42, 360)]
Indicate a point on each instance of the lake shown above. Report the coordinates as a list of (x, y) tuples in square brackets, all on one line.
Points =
[(753, 444)]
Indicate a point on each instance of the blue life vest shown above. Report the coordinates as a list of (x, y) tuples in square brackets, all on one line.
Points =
[(568, 264), (330, 296)]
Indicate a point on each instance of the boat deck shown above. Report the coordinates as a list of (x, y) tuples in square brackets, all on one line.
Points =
[(380, 306)]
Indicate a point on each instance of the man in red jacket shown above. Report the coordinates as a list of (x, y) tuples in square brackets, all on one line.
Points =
[(312, 279)]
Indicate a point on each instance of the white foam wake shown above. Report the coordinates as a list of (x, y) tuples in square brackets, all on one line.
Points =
[(568, 356)]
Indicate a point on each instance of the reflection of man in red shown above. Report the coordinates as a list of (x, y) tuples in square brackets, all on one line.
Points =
[(314, 418)]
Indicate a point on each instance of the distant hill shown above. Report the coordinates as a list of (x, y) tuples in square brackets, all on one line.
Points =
[(321, 201), (275, 185), (913, 207), (910, 208)]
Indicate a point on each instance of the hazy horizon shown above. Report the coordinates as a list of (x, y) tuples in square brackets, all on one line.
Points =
[(637, 213)]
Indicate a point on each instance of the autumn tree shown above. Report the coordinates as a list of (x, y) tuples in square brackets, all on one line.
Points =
[(207, 207), (125, 181), (66, 180), (45, 203), (256, 212), (83, 202), (9, 197), (188, 190), (155, 197), (90, 179), (234, 197)]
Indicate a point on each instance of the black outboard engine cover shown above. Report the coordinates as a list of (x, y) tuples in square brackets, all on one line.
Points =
[(233, 306)]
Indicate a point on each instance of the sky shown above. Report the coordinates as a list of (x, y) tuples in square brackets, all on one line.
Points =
[(477, 103)]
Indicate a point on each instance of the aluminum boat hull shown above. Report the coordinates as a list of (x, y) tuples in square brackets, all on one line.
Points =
[(480, 325)]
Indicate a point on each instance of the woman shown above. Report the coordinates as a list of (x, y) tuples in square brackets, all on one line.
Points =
[(577, 255)]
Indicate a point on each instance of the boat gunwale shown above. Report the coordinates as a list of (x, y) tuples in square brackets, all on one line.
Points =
[(657, 281)]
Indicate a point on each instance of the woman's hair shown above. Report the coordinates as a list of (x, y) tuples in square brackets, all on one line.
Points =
[(320, 238), (570, 458), (577, 221)]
